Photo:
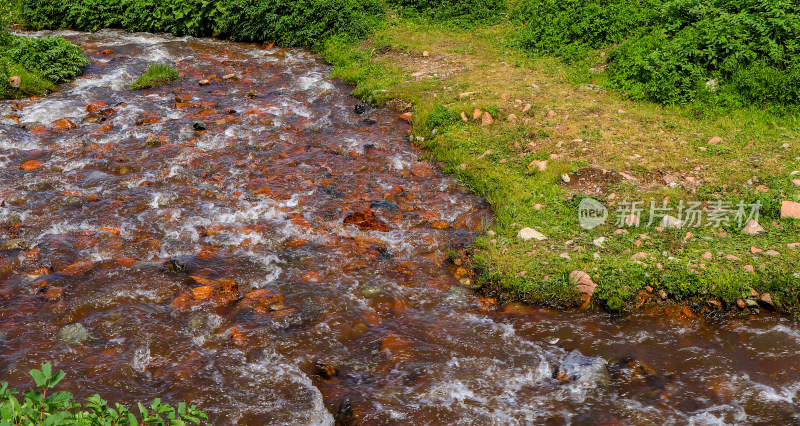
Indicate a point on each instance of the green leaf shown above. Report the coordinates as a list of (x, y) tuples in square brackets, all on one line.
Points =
[(39, 378), (57, 378)]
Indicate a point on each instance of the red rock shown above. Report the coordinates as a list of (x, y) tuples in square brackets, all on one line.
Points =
[(406, 116), (51, 292), (14, 81), (766, 300), (740, 304), (95, 106), (79, 268), (238, 338), (64, 124), (440, 224), (583, 282), (126, 262), (686, 311), (202, 292), (486, 119), (366, 219), (790, 209), (486, 304), (31, 165)]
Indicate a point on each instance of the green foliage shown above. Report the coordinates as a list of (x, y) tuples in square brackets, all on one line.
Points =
[(43, 407), (464, 13), (52, 58), (299, 22), (729, 52), (441, 118), (156, 75), (568, 28), (287, 22)]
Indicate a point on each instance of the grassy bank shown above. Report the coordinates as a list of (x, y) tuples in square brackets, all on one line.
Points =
[(698, 152), (537, 105)]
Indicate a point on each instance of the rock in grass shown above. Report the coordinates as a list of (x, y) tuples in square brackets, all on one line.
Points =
[(669, 222), (583, 282), (752, 228), (14, 81), (526, 234), (790, 209), (73, 333)]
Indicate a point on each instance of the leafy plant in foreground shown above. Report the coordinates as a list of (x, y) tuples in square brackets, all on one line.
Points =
[(43, 406)]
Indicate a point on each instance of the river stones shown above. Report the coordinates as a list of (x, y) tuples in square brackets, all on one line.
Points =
[(73, 334)]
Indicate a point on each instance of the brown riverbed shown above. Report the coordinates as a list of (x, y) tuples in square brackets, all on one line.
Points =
[(288, 265)]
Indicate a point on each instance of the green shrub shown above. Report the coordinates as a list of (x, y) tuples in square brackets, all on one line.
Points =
[(746, 50), (43, 407), (441, 118), (570, 27), (157, 74), (465, 13), (287, 22), (299, 22), (52, 58)]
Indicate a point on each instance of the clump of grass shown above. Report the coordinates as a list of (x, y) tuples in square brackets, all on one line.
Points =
[(156, 75)]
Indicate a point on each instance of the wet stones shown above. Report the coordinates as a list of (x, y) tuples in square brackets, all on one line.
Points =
[(175, 266), (366, 219), (580, 368), (325, 370), (199, 126), (360, 109), (383, 204), (64, 124), (73, 334), (15, 244), (31, 165), (51, 293)]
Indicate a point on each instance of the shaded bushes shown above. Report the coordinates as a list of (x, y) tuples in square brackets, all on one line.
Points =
[(287, 22), (298, 22), (675, 51), (463, 13), (569, 28)]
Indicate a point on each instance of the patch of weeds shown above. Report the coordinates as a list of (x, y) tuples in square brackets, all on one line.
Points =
[(156, 75)]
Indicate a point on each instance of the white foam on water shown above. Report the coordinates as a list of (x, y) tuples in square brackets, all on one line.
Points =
[(49, 110)]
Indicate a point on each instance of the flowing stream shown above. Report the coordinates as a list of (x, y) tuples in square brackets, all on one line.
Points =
[(289, 265)]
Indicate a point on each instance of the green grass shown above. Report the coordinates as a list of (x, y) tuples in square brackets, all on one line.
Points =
[(591, 128), (156, 75)]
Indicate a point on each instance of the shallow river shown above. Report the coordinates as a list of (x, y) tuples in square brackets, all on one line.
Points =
[(289, 265)]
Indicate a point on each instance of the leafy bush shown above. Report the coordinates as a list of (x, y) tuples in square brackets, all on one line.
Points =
[(298, 22), (53, 58), (441, 118), (570, 27), (58, 408), (156, 75), (287, 22), (465, 13), (748, 48)]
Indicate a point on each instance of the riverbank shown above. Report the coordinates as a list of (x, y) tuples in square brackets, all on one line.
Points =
[(537, 135)]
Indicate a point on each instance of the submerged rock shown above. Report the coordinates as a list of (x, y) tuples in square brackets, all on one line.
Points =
[(577, 367), (175, 266), (73, 333), (365, 219)]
